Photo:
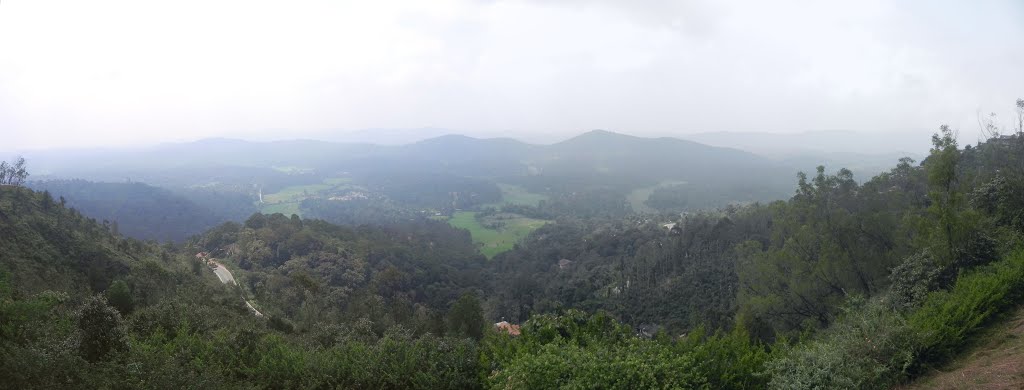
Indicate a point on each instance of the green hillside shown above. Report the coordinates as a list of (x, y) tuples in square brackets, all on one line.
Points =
[(884, 283)]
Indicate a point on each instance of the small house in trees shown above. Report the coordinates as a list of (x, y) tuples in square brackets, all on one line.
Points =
[(504, 326), (564, 263)]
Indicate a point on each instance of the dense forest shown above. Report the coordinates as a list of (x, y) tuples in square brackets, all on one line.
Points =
[(843, 285), (135, 209)]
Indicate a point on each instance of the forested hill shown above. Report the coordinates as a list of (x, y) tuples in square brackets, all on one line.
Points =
[(844, 285), (780, 267), (83, 307), (596, 161), (135, 209), (48, 246)]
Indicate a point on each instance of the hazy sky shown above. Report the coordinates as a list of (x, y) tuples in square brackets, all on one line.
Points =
[(99, 72)]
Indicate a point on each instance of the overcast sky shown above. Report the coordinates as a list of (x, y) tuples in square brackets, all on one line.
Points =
[(98, 72)]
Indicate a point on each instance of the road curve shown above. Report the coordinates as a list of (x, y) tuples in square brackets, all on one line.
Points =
[(225, 276)]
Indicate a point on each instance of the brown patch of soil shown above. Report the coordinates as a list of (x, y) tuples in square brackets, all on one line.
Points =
[(997, 362)]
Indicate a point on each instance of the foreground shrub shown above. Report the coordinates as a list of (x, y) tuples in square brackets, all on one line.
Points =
[(912, 280), (869, 347), (632, 364), (874, 346), (576, 350), (947, 318)]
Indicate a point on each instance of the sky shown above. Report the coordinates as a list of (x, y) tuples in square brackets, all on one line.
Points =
[(116, 73)]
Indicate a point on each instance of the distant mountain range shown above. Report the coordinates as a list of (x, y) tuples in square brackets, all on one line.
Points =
[(218, 179), (770, 160), (596, 151), (866, 154), (140, 210)]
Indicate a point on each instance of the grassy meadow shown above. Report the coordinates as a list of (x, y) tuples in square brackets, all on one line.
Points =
[(513, 194), (637, 197), (495, 241), (286, 201)]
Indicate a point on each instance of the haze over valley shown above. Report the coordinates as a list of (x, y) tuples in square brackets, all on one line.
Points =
[(511, 194)]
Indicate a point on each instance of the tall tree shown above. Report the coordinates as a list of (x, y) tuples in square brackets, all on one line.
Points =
[(13, 174), (120, 297), (466, 318), (102, 330), (944, 197)]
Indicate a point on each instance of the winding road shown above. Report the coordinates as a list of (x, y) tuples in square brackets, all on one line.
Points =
[(225, 276)]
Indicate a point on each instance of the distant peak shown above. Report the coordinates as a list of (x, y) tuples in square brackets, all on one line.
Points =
[(447, 138), (600, 136), (601, 132)]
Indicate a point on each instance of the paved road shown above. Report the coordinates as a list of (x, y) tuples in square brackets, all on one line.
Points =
[(225, 276)]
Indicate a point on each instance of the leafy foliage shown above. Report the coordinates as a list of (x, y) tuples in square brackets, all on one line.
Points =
[(845, 285)]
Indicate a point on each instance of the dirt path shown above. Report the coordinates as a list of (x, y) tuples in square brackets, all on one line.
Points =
[(996, 362), (225, 276)]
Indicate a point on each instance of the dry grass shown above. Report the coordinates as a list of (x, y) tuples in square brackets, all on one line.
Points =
[(995, 362)]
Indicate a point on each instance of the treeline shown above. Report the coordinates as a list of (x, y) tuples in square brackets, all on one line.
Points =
[(308, 272), (355, 212), (636, 269), (13, 174), (82, 307), (416, 188), (136, 209), (780, 268)]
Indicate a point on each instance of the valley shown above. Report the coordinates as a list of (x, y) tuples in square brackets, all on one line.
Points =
[(511, 195), (423, 260)]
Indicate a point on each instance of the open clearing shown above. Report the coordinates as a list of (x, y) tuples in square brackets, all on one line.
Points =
[(996, 361), (495, 241), (337, 180), (637, 197), (286, 201), (294, 192), (513, 194), (287, 208)]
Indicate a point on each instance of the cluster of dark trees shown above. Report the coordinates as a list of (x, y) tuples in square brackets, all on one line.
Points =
[(355, 212), (13, 174), (434, 190), (309, 271), (81, 306)]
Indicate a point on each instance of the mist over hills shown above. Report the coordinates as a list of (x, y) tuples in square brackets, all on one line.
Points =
[(444, 150), (598, 172), (866, 154), (595, 173)]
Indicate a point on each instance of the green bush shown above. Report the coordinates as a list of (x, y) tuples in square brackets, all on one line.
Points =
[(948, 318), (728, 360), (576, 350), (912, 280), (633, 364), (869, 347), (874, 346)]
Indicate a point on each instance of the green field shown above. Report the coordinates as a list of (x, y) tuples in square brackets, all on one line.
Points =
[(512, 194), (637, 197), (288, 208), (294, 193), (491, 241), (286, 201), (291, 169), (338, 180)]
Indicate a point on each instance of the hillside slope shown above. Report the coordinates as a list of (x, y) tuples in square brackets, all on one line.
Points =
[(141, 211), (995, 361), (46, 246)]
